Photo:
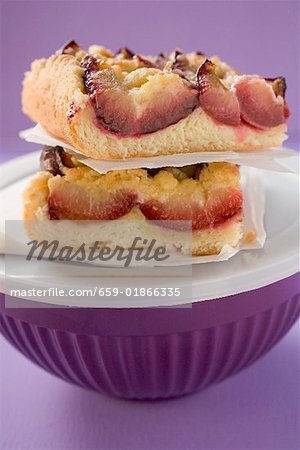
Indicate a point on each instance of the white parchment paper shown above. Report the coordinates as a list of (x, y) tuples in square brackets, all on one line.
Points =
[(271, 159)]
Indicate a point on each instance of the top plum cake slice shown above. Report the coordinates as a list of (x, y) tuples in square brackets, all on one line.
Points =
[(126, 105)]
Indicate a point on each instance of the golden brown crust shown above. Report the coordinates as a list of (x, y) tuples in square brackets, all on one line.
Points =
[(50, 89), (35, 198), (54, 86)]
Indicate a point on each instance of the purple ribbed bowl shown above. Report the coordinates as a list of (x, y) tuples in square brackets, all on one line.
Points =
[(154, 353)]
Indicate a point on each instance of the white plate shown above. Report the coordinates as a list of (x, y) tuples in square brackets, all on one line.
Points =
[(246, 271)]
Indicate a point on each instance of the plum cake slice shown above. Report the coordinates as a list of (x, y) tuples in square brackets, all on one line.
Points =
[(204, 200), (122, 105)]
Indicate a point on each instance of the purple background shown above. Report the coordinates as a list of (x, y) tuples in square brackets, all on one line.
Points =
[(257, 409)]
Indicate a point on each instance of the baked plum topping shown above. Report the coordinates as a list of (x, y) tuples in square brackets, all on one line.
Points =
[(156, 104), (216, 100), (89, 63), (91, 77), (180, 61), (73, 201), (221, 205), (69, 48), (116, 112), (260, 107), (125, 53), (145, 62), (182, 66), (133, 95), (82, 194), (167, 110), (54, 160), (180, 173), (278, 85), (161, 60)]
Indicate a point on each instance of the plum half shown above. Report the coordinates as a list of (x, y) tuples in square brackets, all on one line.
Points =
[(216, 100), (132, 95), (262, 104), (147, 100)]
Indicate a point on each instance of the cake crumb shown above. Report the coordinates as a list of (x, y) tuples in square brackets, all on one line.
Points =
[(249, 236)]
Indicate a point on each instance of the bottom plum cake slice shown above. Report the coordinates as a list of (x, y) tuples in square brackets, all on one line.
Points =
[(204, 200)]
